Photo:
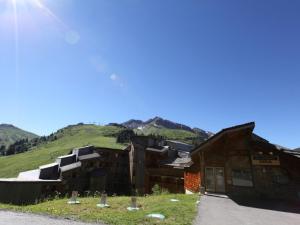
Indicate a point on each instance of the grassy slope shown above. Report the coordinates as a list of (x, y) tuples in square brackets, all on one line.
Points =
[(174, 134), (182, 212), (10, 134), (68, 138)]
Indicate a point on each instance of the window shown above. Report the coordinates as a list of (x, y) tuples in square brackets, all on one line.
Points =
[(242, 177), (279, 176)]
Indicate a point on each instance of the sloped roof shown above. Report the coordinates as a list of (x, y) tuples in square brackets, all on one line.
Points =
[(48, 166), (89, 156), (180, 146), (66, 156), (159, 149), (178, 162), (21, 180), (29, 175), (70, 167), (292, 152), (250, 125)]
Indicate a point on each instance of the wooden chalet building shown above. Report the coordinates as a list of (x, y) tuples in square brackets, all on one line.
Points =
[(238, 162)]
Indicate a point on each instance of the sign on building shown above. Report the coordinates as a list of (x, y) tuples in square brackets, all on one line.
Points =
[(265, 160)]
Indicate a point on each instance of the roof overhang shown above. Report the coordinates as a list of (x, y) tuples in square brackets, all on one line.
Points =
[(157, 149), (18, 180), (247, 126), (89, 156), (69, 167)]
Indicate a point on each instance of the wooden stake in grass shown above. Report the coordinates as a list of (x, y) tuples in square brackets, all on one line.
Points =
[(133, 206), (73, 199), (103, 200)]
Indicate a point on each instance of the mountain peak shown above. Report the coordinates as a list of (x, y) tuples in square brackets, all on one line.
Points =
[(133, 124), (163, 127), (5, 125), (9, 134), (153, 120), (160, 122), (157, 118)]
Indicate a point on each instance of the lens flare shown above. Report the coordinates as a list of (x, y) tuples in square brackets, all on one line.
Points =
[(15, 12), (18, 9)]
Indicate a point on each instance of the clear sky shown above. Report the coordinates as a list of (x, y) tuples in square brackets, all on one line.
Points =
[(204, 63)]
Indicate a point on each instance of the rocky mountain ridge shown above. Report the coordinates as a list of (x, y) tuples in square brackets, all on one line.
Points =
[(162, 123)]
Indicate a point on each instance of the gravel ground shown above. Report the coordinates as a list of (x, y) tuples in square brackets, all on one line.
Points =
[(13, 218)]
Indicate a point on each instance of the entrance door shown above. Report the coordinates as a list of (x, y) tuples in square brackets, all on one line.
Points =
[(214, 179), (220, 181), (210, 179)]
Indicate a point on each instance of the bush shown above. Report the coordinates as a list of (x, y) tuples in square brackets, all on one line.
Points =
[(157, 190)]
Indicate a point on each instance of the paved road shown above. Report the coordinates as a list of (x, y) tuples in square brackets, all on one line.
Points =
[(12, 218), (224, 211)]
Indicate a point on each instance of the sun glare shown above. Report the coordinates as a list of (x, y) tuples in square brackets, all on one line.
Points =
[(17, 6), (34, 2), (23, 3), (18, 14), (34, 11)]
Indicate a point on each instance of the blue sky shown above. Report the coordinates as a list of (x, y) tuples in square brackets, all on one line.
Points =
[(209, 64)]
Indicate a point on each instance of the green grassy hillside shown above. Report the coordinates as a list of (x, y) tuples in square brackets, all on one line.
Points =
[(67, 139), (173, 134), (9, 134)]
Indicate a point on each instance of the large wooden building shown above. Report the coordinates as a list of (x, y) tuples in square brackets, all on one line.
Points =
[(234, 161), (155, 161), (87, 169), (136, 169), (239, 163)]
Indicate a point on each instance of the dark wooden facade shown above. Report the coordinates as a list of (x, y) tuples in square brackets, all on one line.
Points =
[(109, 172), (239, 163), (147, 169)]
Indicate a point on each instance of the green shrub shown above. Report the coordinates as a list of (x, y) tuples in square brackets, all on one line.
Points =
[(157, 190)]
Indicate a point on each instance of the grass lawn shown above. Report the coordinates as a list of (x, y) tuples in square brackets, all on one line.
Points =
[(179, 213)]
